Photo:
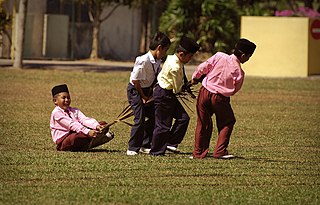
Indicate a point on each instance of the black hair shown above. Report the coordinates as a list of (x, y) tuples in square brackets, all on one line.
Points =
[(244, 46), (237, 52), (159, 38), (181, 49)]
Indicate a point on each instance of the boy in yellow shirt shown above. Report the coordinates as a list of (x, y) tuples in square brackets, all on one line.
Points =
[(167, 107)]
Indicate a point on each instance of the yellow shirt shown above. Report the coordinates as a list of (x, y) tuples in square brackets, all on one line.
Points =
[(171, 75)]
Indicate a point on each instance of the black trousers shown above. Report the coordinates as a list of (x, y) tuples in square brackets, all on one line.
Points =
[(167, 133), (142, 129)]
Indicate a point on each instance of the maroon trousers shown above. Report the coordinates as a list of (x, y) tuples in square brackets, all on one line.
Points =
[(78, 142), (208, 104)]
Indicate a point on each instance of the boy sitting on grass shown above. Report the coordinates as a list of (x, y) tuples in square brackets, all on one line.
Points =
[(71, 130)]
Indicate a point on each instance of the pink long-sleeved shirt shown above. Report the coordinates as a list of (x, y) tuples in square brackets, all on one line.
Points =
[(62, 122), (223, 74)]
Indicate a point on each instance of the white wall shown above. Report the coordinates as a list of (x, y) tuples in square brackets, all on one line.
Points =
[(120, 34)]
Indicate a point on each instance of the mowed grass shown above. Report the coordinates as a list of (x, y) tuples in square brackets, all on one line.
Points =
[(276, 140)]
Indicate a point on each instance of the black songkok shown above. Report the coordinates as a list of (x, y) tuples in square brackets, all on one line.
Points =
[(59, 89), (245, 46), (189, 44)]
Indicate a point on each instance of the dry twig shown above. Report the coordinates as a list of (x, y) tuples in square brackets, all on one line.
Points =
[(126, 113)]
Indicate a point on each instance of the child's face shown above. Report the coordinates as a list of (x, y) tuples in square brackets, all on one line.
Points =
[(244, 58), (63, 100), (185, 58), (161, 52)]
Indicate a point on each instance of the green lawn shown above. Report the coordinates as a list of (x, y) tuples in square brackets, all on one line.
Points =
[(276, 140)]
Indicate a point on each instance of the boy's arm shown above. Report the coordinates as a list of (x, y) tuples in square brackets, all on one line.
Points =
[(137, 85), (176, 77), (239, 81), (202, 70), (67, 123), (86, 121), (200, 73)]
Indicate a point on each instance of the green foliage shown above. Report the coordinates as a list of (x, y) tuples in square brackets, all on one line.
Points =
[(219, 26), (5, 18), (276, 140), (215, 24), (259, 9), (181, 18)]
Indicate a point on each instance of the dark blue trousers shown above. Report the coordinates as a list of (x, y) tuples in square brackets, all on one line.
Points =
[(167, 133), (142, 129)]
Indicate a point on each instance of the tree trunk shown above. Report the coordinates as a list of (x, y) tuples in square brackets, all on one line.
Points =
[(97, 20), (20, 34), (95, 39)]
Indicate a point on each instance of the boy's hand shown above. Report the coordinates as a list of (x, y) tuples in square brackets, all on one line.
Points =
[(92, 133), (194, 82), (145, 99), (99, 128), (149, 100)]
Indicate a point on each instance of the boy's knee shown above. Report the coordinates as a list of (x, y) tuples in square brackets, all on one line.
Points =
[(103, 123)]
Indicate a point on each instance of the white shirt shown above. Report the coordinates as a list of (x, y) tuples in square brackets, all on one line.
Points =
[(145, 69)]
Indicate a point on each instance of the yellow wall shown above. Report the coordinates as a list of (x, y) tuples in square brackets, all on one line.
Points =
[(282, 46)]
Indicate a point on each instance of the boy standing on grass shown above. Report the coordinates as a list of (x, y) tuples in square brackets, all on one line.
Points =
[(221, 77), (139, 92), (71, 130), (167, 106)]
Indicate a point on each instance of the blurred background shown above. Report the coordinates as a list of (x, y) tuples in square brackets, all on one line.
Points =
[(120, 29)]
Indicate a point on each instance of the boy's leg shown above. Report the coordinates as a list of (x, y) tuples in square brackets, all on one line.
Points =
[(163, 120), (149, 125), (204, 123), (137, 130), (225, 121), (223, 141), (180, 125), (101, 138), (74, 142)]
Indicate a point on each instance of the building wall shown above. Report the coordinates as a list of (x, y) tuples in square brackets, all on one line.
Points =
[(55, 41), (282, 46), (120, 34)]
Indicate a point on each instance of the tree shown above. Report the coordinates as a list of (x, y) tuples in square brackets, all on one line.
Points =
[(5, 21), (97, 16), (215, 24), (20, 33)]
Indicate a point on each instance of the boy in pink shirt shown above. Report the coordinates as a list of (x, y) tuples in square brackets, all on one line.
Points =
[(221, 77), (71, 130)]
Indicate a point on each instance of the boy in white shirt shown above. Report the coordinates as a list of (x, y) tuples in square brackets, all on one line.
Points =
[(140, 90)]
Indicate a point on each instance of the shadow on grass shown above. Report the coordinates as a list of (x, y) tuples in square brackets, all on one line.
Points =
[(257, 159), (78, 67), (261, 159), (104, 150)]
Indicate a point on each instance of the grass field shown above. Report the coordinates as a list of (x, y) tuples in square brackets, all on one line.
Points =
[(276, 140)]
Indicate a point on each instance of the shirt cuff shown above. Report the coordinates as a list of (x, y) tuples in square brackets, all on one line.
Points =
[(86, 131)]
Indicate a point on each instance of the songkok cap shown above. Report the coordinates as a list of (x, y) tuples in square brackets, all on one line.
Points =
[(59, 89), (189, 44), (245, 46)]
